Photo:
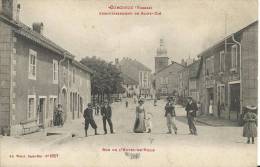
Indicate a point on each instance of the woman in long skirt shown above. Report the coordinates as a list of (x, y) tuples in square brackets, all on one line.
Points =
[(139, 126), (250, 119), (211, 107)]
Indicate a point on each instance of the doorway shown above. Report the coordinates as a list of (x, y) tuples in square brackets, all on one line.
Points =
[(210, 99), (42, 111), (234, 107), (64, 103)]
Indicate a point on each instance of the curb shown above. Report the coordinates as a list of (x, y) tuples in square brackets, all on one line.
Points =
[(209, 124)]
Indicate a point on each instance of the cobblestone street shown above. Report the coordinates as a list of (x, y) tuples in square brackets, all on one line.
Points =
[(214, 146)]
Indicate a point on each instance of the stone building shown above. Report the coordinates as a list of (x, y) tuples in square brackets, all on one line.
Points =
[(230, 73), (35, 75), (131, 86), (189, 81), (139, 73), (166, 75), (226, 74)]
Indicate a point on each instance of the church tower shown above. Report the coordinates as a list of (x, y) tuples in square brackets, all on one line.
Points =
[(161, 59)]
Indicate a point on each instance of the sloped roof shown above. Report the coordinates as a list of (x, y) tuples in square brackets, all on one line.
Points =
[(173, 63), (26, 32), (135, 63), (227, 37), (82, 66)]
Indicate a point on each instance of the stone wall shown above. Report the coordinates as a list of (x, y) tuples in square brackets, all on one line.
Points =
[(5, 76)]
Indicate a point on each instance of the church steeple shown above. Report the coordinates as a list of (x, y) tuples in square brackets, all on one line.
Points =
[(161, 58), (162, 51)]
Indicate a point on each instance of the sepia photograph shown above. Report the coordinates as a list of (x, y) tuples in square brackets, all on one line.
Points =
[(126, 83)]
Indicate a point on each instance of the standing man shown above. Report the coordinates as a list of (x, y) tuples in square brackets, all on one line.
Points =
[(88, 115), (126, 103), (58, 116), (170, 115), (106, 112), (191, 109)]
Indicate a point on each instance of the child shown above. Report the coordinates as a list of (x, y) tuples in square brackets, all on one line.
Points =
[(148, 122), (250, 119)]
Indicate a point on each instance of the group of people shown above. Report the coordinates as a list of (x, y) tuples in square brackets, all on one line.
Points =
[(106, 113), (58, 119), (143, 120)]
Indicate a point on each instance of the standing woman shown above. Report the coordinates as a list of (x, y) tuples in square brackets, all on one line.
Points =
[(139, 126), (211, 107), (250, 119)]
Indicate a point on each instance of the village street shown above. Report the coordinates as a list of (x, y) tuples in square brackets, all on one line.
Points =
[(214, 146)]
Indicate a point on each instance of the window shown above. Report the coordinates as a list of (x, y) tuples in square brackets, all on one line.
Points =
[(222, 61), (55, 71), (234, 56), (141, 78), (164, 80), (221, 93), (73, 75), (164, 91), (145, 79), (31, 107), (209, 65), (32, 64)]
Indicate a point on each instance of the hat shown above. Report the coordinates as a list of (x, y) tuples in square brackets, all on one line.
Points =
[(189, 97), (169, 98), (141, 100), (89, 104), (251, 107)]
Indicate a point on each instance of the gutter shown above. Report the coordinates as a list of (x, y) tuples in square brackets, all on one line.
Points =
[(240, 71), (59, 86)]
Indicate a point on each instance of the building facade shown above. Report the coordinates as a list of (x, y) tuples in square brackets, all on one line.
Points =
[(227, 75), (139, 73), (231, 72), (166, 80), (34, 76), (161, 58), (190, 82), (131, 86), (166, 75)]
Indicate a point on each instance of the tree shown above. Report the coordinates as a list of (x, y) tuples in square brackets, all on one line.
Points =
[(106, 79)]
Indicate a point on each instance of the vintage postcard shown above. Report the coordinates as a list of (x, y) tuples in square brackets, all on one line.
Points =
[(126, 83)]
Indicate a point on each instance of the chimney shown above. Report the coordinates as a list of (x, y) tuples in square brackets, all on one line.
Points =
[(18, 12), (37, 27), (8, 8), (116, 61), (183, 62)]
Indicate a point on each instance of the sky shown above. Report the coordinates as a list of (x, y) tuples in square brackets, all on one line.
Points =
[(187, 26)]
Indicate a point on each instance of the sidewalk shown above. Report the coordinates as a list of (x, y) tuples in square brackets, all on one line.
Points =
[(53, 135), (214, 121)]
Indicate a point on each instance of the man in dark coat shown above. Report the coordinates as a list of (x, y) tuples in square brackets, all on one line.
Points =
[(170, 115), (106, 112), (191, 109), (88, 115)]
